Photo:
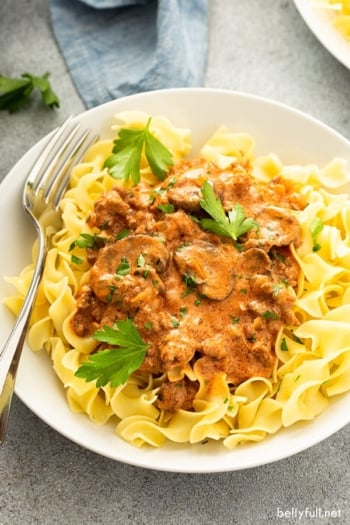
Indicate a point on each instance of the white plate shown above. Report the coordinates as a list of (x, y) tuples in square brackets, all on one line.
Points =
[(296, 138), (319, 21)]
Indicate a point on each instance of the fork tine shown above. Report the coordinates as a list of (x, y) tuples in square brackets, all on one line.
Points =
[(48, 152), (65, 148), (61, 174), (47, 182)]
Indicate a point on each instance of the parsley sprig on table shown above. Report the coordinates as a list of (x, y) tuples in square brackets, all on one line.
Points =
[(234, 224), (115, 364), (15, 92), (127, 151)]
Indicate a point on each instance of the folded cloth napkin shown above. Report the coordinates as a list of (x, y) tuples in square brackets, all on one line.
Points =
[(117, 47)]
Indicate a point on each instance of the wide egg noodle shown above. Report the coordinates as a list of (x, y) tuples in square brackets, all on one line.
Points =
[(225, 149), (312, 360), (205, 421)]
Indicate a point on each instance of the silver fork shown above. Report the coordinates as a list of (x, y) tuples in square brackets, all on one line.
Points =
[(42, 192)]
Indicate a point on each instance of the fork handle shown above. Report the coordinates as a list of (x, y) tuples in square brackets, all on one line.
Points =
[(11, 352)]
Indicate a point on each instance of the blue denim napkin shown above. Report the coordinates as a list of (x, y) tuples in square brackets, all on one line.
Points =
[(117, 47)]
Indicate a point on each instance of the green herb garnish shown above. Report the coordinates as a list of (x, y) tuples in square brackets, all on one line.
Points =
[(251, 338), (183, 311), (112, 289), (116, 364), (88, 240), (128, 147), (316, 227), (191, 284), (166, 208), (284, 346), (124, 267), (234, 224), (76, 260), (175, 323), (270, 315), (15, 92), (141, 261), (122, 234)]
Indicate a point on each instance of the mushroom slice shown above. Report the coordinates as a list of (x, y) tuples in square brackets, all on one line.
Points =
[(256, 261), (127, 258), (210, 266)]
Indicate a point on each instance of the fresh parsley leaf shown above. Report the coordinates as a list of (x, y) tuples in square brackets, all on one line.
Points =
[(49, 97), (270, 315), (234, 224), (88, 240), (166, 208), (15, 92), (316, 227), (191, 284), (198, 301), (158, 156), (284, 346), (239, 222), (112, 289), (76, 260), (282, 285), (174, 322), (127, 151), (122, 234), (116, 364), (125, 163), (124, 267), (183, 311), (189, 280), (141, 261), (276, 289)]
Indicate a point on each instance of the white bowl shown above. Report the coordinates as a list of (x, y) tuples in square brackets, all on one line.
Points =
[(296, 138)]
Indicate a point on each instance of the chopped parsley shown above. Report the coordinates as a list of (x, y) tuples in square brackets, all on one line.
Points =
[(88, 240), (166, 208), (316, 227), (174, 322), (122, 234), (269, 315), (76, 260), (141, 261), (183, 311), (191, 284), (284, 346), (124, 267)]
